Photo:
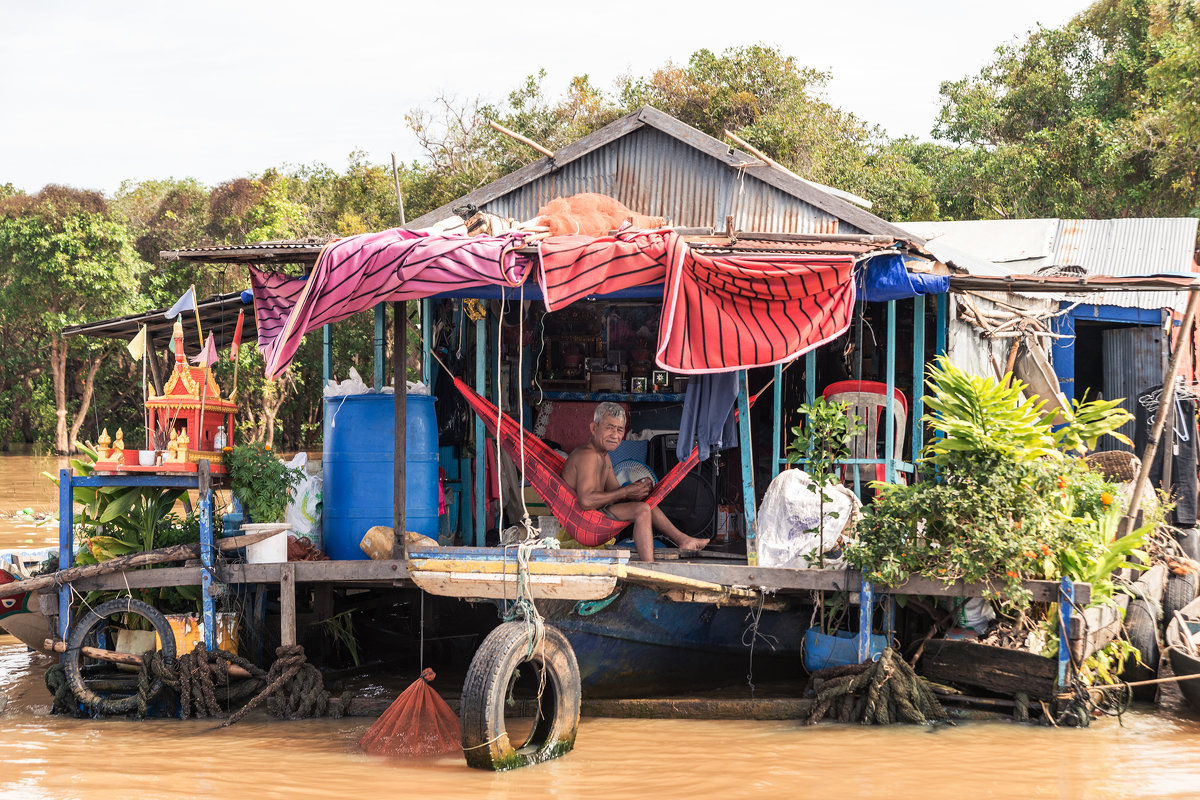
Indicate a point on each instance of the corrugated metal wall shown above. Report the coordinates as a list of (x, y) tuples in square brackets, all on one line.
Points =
[(1132, 363), (656, 174)]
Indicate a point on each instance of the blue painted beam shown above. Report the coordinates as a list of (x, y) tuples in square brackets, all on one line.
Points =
[(427, 341), (748, 496), (379, 359), (943, 306), (66, 553), (889, 441), (326, 354), (481, 388), (918, 387), (777, 407), (1066, 601), (1063, 352), (866, 617), (206, 561)]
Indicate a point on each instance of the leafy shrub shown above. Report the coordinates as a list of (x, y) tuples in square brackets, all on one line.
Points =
[(260, 480)]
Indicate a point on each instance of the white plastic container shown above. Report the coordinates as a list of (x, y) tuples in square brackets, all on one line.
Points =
[(271, 550)]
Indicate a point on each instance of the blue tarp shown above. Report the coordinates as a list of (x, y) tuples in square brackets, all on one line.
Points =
[(886, 278)]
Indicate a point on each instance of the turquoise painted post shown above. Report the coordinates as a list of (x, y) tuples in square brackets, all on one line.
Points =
[(427, 341), (889, 441), (206, 561), (379, 312), (943, 306), (748, 496), (866, 618), (326, 354), (777, 405), (1066, 601), (918, 387), (480, 455), (810, 376), (66, 537)]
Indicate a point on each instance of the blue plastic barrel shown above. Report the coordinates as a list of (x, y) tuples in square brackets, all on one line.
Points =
[(358, 460)]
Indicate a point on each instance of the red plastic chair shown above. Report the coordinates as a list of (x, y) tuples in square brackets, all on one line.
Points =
[(867, 400)]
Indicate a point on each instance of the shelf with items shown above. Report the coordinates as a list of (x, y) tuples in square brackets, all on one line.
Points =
[(615, 397)]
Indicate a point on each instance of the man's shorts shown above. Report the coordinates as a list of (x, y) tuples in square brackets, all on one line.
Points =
[(607, 511)]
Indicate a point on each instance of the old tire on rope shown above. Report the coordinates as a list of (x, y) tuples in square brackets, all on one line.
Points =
[(89, 625), (492, 673), (1141, 630), (1181, 590)]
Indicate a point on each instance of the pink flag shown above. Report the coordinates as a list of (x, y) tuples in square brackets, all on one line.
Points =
[(237, 337), (208, 356)]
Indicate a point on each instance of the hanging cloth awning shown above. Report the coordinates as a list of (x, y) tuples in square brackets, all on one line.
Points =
[(885, 277)]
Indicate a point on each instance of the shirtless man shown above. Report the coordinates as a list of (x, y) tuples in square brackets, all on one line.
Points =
[(589, 472)]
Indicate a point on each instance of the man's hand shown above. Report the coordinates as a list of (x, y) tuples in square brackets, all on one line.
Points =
[(639, 490)]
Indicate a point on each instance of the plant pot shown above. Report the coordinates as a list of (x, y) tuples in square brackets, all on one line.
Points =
[(271, 550), (147, 458), (837, 649)]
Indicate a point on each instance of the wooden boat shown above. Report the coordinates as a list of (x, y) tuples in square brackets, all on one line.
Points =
[(21, 616), (1183, 651)]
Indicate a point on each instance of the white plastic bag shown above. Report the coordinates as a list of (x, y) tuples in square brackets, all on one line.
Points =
[(787, 521), (353, 385), (304, 505)]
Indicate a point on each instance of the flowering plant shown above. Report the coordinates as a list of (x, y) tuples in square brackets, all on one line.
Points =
[(260, 481)]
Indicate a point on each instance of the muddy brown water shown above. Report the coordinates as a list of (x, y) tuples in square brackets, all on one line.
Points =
[(1153, 752)]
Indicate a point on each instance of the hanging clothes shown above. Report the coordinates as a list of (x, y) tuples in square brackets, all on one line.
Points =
[(724, 313), (1184, 483), (356, 273), (707, 422)]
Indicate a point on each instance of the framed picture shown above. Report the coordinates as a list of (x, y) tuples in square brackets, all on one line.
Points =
[(637, 385), (659, 376)]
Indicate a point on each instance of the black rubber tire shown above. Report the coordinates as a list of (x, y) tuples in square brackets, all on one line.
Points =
[(72, 661), (1181, 590), (493, 669), (1141, 630)]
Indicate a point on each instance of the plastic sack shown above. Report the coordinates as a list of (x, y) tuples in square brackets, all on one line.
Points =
[(304, 504), (975, 613), (353, 385), (787, 521)]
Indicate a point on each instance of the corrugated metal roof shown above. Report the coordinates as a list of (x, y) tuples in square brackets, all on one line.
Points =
[(657, 165), (1112, 247)]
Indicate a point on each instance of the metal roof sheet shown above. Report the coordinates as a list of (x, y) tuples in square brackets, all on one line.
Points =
[(1104, 247), (658, 165)]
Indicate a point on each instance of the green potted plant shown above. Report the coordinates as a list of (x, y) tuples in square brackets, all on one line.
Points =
[(262, 483)]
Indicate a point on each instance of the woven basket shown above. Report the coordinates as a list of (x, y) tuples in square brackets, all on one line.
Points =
[(1116, 465)]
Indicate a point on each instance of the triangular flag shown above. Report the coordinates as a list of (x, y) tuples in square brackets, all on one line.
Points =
[(185, 303), (237, 337), (137, 345), (208, 356)]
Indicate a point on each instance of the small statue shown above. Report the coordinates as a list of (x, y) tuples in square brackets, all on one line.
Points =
[(173, 447), (182, 446), (104, 443), (118, 446)]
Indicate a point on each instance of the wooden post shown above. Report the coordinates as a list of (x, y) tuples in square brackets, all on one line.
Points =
[(400, 377), (66, 530), (1169, 427), (204, 484), (287, 604), (1166, 403)]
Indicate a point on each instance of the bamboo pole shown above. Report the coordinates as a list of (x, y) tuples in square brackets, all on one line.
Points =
[(130, 659), (1165, 405), (162, 555), (522, 139)]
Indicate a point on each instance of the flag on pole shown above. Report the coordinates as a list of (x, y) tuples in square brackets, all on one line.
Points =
[(208, 356), (185, 303), (237, 337), (137, 345)]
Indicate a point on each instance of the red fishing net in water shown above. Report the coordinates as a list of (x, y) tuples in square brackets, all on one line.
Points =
[(418, 723)]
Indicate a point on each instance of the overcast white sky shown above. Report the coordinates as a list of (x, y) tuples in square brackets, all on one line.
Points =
[(92, 93)]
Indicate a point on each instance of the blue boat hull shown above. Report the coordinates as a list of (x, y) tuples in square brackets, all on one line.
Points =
[(641, 643)]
